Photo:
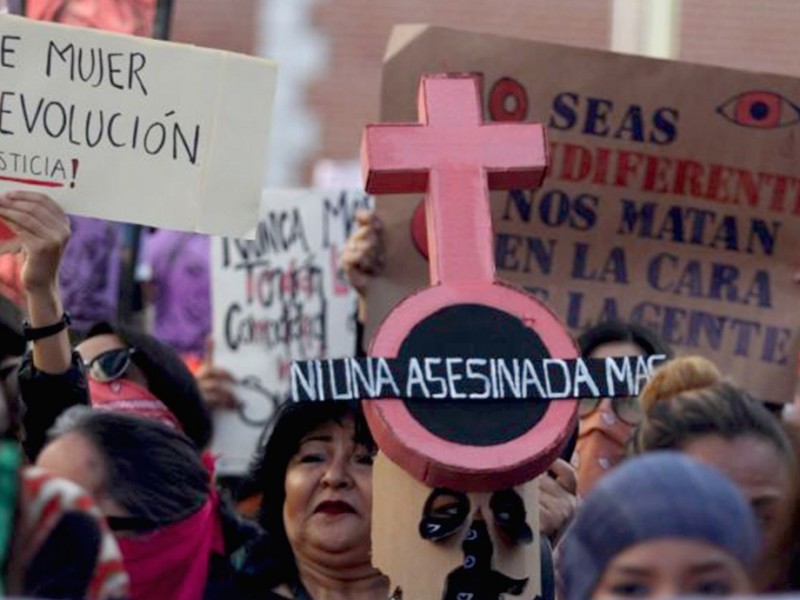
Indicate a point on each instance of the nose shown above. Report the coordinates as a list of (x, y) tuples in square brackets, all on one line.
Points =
[(337, 474), (606, 412)]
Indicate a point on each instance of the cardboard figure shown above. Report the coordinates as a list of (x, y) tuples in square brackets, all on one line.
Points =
[(455, 511), (475, 578), (436, 567)]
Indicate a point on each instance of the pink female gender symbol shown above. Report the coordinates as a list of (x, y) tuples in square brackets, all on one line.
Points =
[(455, 158)]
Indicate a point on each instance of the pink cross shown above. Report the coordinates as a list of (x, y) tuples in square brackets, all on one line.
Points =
[(456, 158)]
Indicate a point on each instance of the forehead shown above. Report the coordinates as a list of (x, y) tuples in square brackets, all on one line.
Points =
[(343, 427), (616, 349), (98, 344), (672, 553), (754, 464), (73, 457)]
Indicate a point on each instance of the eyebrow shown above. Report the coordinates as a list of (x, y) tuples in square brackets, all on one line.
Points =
[(328, 439), (632, 570), (713, 564), (316, 438), (766, 498)]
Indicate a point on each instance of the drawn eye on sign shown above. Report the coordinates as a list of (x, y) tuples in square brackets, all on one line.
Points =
[(760, 109)]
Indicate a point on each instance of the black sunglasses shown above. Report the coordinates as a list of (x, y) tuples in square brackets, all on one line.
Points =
[(627, 408), (110, 365)]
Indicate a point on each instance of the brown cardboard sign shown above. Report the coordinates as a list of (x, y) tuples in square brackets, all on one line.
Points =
[(672, 198)]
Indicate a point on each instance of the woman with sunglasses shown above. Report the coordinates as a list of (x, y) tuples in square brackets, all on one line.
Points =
[(607, 424), (129, 370)]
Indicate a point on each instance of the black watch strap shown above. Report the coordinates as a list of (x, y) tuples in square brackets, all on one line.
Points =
[(37, 333)]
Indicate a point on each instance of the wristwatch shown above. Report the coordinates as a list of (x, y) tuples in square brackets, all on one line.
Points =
[(37, 333)]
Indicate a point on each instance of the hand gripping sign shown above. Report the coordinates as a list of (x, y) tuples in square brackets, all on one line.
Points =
[(456, 158)]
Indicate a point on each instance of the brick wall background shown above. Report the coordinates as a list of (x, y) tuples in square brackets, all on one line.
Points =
[(758, 35), (222, 24)]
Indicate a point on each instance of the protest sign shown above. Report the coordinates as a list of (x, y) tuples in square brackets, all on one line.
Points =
[(134, 130), (279, 298), (672, 197)]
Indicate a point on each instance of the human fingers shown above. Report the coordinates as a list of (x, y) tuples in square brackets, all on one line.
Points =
[(564, 473), (40, 206), (208, 354), (32, 220), (218, 393)]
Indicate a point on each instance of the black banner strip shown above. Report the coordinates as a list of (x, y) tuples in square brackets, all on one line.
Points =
[(474, 379)]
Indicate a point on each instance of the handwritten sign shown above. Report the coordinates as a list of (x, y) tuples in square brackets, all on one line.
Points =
[(276, 299), (134, 130), (671, 199)]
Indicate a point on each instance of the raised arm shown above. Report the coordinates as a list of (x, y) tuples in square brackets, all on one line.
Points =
[(51, 376), (42, 231)]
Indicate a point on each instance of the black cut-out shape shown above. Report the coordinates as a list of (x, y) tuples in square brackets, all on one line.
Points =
[(490, 333), (444, 513), (510, 516), (475, 579)]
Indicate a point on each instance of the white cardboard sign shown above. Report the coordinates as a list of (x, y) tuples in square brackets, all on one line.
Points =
[(276, 299), (135, 130)]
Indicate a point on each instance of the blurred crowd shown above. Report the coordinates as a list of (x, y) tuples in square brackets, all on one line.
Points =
[(108, 490)]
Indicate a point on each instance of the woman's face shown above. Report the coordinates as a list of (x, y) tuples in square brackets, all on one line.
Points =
[(328, 504), (759, 471), (672, 567), (603, 434)]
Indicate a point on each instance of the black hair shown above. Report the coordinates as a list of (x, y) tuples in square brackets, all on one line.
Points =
[(12, 340), (610, 331), (12, 347), (152, 471), (168, 378), (292, 422)]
